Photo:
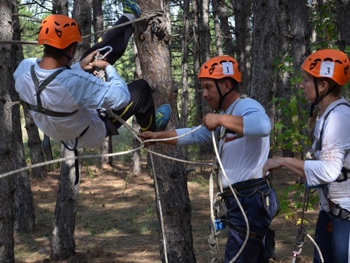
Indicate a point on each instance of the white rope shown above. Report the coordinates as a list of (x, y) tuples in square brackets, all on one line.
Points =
[(214, 245), (67, 158), (110, 154), (160, 210), (317, 247), (235, 196)]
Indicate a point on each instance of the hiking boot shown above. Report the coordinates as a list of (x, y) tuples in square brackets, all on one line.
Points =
[(131, 7), (162, 117)]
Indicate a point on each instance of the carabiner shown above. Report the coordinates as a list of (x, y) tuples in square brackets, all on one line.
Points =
[(105, 54)]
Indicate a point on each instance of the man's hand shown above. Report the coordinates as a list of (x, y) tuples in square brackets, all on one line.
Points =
[(148, 135), (89, 63), (211, 121)]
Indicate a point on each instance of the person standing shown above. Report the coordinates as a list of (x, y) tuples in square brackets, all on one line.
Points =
[(243, 129), (324, 73)]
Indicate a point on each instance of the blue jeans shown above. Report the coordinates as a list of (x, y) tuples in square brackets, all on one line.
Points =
[(332, 236), (259, 219)]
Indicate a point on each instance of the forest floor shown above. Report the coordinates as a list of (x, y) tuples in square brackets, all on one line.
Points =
[(116, 219)]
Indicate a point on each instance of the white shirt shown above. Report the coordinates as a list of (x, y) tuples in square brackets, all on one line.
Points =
[(73, 89), (242, 158), (333, 156)]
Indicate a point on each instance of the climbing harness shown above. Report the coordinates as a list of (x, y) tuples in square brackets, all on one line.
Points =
[(219, 202), (213, 235), (39, 108)]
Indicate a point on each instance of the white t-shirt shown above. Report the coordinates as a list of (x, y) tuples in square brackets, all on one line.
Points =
[(73, 89), (242, 158)]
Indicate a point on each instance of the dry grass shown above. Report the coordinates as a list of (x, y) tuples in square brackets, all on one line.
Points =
[(116, 219)]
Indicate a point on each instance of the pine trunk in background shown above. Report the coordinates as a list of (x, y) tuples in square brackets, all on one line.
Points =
[(173, 204), (34, 144), (243, 33), (343, 24), (7, 152), (23, 207), (266, 41), (299, 42), (62, 237)]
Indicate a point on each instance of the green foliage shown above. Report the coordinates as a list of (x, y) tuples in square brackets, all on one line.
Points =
[(291, 200), (323, 22), (289, 137)]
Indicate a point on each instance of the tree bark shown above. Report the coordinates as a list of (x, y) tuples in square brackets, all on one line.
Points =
[(283, 76), (98, 18), (266, 45), (7, 152), (34, 145), (184, 63), (153, 47), (243, 30), (23, 206), (222, 17), (343, 25), (62, 237), (300, 41)]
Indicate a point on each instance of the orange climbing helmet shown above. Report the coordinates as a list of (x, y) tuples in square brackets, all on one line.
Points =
[(328, 63), (59, 31), (221, 67)]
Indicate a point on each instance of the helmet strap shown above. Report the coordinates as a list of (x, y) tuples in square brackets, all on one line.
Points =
[(222, 97), (318, 97)]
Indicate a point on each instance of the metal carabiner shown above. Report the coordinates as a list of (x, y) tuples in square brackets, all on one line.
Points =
[(97, 57)]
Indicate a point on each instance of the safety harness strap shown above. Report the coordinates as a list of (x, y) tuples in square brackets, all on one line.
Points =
[(344, 171), (39, 88), (39, 108)]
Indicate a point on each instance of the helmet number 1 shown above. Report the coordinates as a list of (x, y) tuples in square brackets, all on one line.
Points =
[(227, 67), (327, 69)]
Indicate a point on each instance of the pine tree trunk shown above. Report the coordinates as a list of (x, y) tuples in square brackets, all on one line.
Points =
[(35, 145), (343, 25), (172, 198), (7, 152), (62, 237), (266, 41), (23, 206), (243, 28)]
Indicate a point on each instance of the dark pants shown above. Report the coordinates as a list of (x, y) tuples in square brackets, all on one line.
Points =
[(332, 236), (141, 102), (259, 217)]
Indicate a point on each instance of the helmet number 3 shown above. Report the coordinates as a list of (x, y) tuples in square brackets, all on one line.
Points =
[(327, 69), (227, 68)]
